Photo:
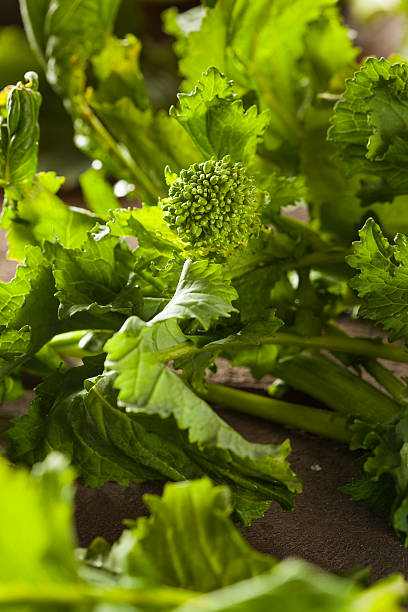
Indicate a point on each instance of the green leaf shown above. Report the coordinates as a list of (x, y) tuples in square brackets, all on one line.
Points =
[(383, 279), (370, 126), (107, 441), (98, 193), (152, 141), (147, 386), (98, 278), (40, 215), (28, 310), (154, 237), (296, 586), (118, 71), (19, 134), (247, 348), (67, 35), (41, 571), (192, 512), (202, 294), (384, 467), (282, 191), (269, 48), (215, 118), (38, 545)]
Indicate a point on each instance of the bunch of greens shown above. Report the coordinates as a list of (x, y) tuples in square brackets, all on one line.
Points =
[(41, 570), (218, 269)]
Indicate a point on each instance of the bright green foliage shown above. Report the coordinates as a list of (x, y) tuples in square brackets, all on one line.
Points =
[(272, 47), (212, 207), (221, 555), (202, 293), (38, 511), (19, 134), (294, 586), (370, 125), (137, 349), (144, 570), (39, 215), (65, 35), (156, 311), (383, 279), (109, 440), (98, 278), (72, 37), (97, 192), (28, 310), (384, 468), (214, 116)]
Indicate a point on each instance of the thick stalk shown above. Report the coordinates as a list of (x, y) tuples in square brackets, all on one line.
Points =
[(336, 387), (314, 420), (385, 378)]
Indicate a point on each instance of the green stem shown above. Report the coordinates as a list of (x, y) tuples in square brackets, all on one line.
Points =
[(119, 151), (355, 346), (81, 594), (317, 260), (385, 378), (336, 387), (67, 339), (313, 260), (313, 420), (342, 344)]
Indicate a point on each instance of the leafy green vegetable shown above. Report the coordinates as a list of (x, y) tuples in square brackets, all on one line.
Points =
[(193, 512), (212, 207), (214, 116), (39, 214), (214, 266), (382, 282), (144, 570), (370, 125)]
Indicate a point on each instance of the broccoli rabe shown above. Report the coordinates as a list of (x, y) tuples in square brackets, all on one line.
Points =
[(212, 206)]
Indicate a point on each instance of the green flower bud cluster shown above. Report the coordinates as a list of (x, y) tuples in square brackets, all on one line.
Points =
[(212, 206)]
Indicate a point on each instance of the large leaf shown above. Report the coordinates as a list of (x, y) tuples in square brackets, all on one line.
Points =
[(215, 118), (66, 34), (106, 441), (370, 125), (296, 586), (192, 512), (382, 282), (146, 385)]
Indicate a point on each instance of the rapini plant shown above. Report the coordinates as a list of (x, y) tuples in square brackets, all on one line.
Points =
[(212, 207), (219, 271)]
